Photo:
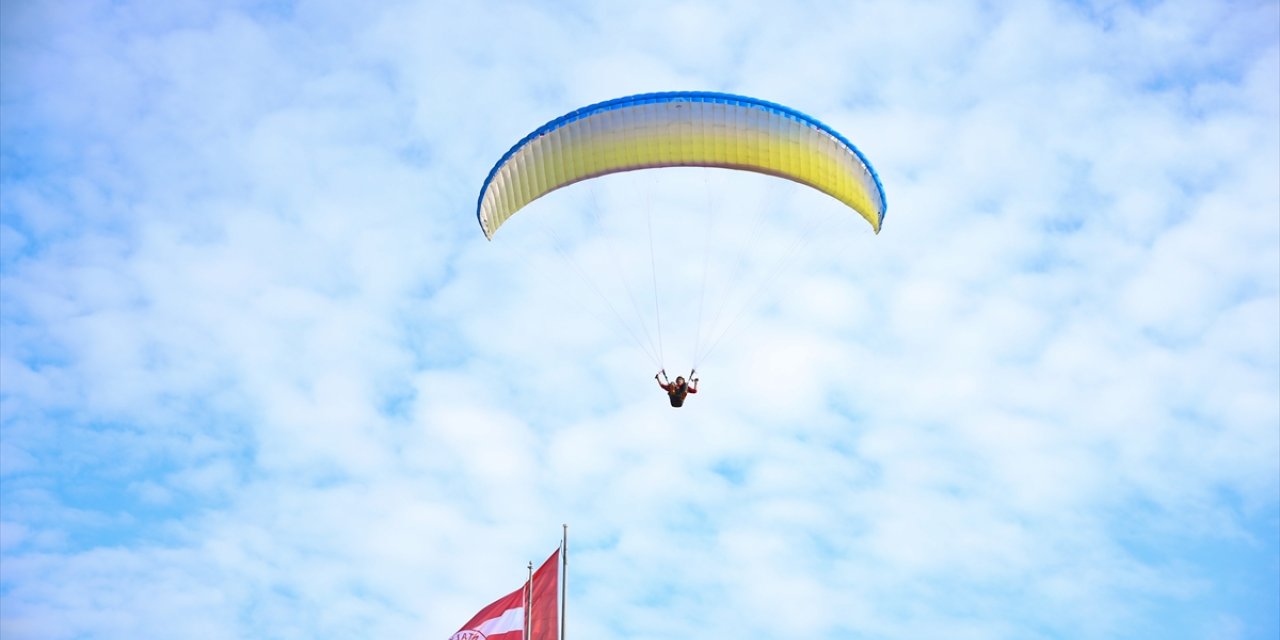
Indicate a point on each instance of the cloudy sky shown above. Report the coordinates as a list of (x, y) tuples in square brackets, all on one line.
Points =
[(262, 376)]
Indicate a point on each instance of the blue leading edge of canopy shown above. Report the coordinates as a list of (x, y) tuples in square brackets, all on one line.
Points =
[(674, 96)]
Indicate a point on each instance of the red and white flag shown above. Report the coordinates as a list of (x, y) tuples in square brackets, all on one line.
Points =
[(505, 618)]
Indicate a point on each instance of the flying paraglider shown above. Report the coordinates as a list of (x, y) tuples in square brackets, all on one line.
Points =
[(679, 129)]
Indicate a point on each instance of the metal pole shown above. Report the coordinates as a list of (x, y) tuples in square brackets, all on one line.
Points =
[(528, 601), (564, 576)]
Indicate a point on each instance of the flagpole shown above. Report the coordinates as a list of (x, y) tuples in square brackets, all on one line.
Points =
[(528, 601), (564, 581)]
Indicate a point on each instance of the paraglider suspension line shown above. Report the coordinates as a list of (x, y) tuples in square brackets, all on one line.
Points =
[(653, 270)]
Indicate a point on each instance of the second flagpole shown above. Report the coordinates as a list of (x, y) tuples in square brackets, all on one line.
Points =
[(564, 575)]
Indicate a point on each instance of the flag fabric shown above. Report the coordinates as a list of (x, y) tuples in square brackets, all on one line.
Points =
[(543, 624), (504, 619)]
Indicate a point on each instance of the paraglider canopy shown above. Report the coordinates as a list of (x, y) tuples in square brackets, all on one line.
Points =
[(679, 129)]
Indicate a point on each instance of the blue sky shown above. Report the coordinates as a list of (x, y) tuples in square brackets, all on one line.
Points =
[(262, 376)]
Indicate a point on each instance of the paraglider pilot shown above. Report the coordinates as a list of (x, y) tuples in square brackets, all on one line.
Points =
[(678, 390)]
